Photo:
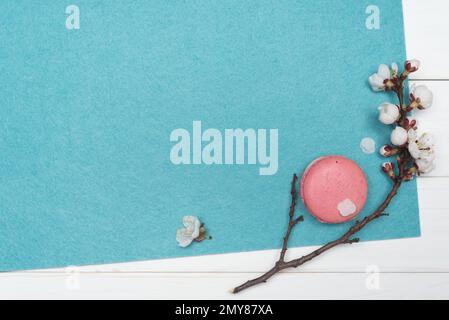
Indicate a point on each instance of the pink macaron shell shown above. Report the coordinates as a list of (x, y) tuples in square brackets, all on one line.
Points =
[(334, 189)]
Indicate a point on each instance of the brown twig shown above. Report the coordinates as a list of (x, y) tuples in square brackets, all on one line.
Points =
[(347, 238), (292, 222)]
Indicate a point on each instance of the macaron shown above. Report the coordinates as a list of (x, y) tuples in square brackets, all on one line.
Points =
[(334, 189)]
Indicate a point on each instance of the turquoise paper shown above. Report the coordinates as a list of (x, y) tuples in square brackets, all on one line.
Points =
[(86, 117)]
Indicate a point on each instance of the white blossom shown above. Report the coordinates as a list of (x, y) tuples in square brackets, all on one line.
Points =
[(425, 165), (190, 232), (378, 81), (399, 136), (421, 148), (388, 113), (421, 97)]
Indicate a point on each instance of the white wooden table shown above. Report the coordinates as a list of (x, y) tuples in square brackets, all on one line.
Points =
[(411, 268)]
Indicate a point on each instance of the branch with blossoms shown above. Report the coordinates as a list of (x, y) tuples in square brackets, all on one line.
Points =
[(414, 155), (406, 143)]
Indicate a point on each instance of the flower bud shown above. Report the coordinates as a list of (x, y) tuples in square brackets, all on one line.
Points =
[(388, 168), (388, 113), (410, 124), (388, 151), (410, 174), (399, 136), (412, 65)]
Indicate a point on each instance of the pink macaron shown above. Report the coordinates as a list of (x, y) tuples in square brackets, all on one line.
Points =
[(334, 189)]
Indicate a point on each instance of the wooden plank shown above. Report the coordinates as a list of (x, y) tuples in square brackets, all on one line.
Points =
[(426, 35), (370, 285)]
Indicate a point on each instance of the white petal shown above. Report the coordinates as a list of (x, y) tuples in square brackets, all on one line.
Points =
[(368, 145), (425, 166), (428, 156), (193, 225), (427, 139), (384, 72), (386, 118), (425, 96), (412, 135), (346, 208), (184, 237), (376, 82), (429, 169), (394, 67), (414, 150)]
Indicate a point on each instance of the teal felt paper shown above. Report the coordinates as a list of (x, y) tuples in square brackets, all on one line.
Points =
[(86, 117)]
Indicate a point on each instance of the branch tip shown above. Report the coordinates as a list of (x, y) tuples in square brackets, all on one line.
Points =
[(351, 241)]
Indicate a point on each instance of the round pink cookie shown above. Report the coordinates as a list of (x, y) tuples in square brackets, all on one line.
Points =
[(334, 189)]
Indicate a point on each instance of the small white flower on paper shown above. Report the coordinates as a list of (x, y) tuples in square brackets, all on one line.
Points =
[(368, 145), (378, 80), (190, 232), (388, 113), (399, 136), (421, 97)]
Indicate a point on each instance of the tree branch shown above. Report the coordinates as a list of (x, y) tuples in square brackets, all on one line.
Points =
[(292, 222), (344, 239), (403, 159)]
